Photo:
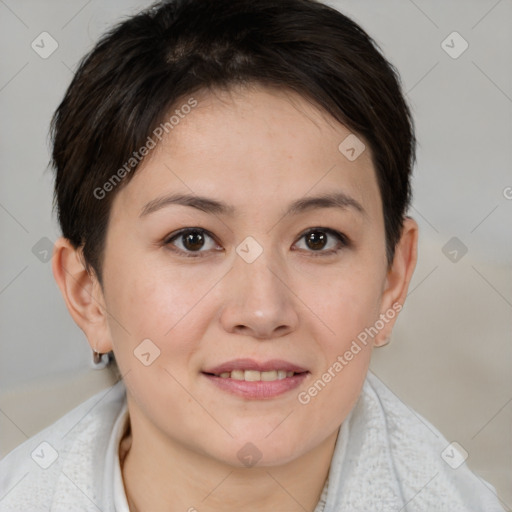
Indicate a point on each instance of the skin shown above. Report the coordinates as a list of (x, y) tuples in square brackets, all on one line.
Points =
[(258, 150)]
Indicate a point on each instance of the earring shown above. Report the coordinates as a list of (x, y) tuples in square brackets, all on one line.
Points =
[(99, 360)]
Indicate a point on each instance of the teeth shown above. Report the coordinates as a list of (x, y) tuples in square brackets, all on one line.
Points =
[(268, 376), (255, 376), (252, 375)]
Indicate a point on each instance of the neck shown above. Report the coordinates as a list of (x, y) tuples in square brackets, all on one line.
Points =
[(162, 476)]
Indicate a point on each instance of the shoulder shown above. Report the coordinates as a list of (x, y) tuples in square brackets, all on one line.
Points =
[(430, 471), (60, 466)]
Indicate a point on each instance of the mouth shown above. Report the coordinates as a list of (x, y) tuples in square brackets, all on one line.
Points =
[(256, 380), (255, 375)]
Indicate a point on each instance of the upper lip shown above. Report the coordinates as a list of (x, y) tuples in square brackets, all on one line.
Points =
[(251, 364)]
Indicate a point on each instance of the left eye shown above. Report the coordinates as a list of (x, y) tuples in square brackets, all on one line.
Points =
[(190, 241), (316, 240)]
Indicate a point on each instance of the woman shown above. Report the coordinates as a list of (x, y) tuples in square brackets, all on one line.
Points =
[(232, 184)]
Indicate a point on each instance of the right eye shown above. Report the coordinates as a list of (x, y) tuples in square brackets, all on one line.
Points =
[(192, 240)]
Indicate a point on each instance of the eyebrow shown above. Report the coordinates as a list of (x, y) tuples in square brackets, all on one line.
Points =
[(208, 205)]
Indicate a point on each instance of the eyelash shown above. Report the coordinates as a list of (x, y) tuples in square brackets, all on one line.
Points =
[(342, 239)]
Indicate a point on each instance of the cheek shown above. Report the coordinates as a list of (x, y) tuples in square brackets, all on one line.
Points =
[(354, 306), (147, 304), (155, 333), (351, 305)]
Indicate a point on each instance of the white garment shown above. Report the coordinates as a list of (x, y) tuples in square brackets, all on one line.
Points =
[(387, 459)]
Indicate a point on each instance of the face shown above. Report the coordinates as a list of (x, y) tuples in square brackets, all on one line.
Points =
[(234, 293)]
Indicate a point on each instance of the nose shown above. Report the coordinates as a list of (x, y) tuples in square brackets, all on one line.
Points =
[(258, 300)]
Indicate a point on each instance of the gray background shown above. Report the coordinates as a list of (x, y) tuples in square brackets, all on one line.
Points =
[(450, 355)]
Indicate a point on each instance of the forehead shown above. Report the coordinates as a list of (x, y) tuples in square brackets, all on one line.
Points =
[(249, 146)]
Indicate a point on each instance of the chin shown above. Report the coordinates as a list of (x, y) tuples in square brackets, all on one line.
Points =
[(258, 452)]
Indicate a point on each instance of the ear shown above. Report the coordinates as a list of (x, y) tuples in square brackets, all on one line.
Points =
[(82, 294), (397, 281)]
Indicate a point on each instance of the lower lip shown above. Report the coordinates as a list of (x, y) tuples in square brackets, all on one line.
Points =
[(258, 390)]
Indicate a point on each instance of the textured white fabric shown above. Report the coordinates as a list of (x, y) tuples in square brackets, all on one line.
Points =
[(387, 459), (114, 478)]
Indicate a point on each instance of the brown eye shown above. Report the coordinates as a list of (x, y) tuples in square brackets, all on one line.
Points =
[(191, 241), (318, 239)]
